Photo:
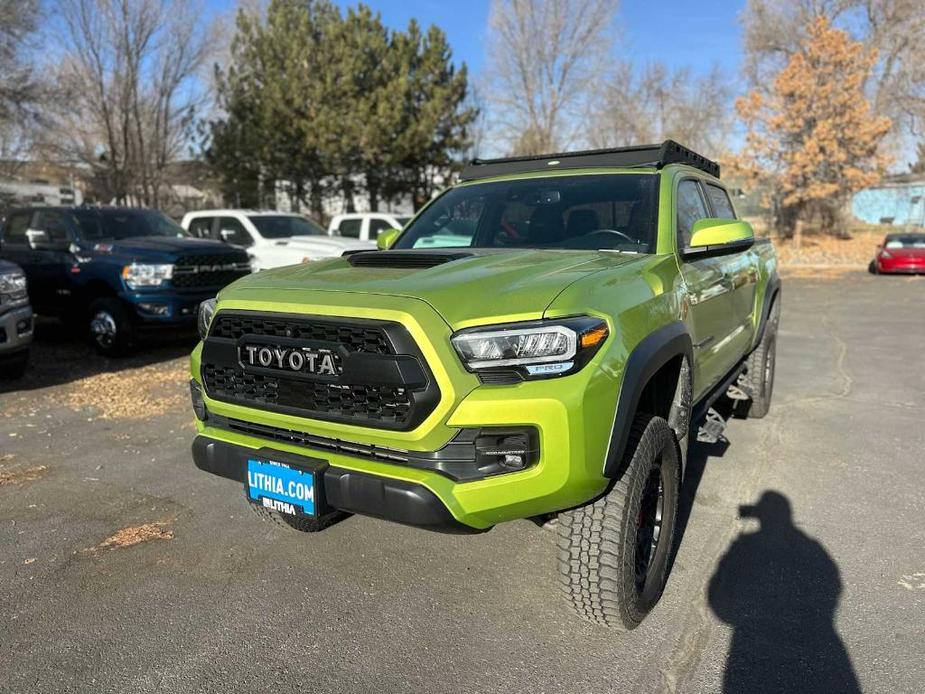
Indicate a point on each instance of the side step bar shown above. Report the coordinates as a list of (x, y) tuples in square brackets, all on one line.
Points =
[(710, 423)]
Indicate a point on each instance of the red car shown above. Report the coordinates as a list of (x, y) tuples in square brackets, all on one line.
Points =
[(900, 253)]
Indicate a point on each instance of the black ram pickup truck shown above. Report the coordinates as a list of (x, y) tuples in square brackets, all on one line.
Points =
[(117, 273)]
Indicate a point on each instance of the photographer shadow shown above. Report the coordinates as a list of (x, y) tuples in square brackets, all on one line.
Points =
[(779, 590)]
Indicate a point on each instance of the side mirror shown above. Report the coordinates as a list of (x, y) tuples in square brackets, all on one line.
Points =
[(227, 235), (712, 236), (387, 239)]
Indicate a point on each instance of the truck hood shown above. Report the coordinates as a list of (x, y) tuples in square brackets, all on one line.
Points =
[(7, 266), (159, 247), (484, 286)]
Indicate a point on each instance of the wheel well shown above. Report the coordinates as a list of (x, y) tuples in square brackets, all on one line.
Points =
[(96, 289), (667, 394)]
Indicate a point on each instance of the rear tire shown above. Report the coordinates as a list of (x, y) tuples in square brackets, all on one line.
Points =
[(613, 553), (110, 328), (761, 366)]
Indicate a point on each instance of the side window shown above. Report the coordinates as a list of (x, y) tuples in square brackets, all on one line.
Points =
[(14, 232), (232, 231), (722, 205), (201, 227), (377, 226), (691, 208), (454, 226), (53, 224), (350, 228)]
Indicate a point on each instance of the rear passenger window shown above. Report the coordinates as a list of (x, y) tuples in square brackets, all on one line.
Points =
[(201, 227), (722, 205), (377, 226), (691, 208), (14, 232), (232, 231), (53, 224), (350, 228)]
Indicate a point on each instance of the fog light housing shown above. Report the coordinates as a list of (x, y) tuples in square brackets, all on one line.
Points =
[(153, 309), (199, 403), (23, 326), (506, 450)]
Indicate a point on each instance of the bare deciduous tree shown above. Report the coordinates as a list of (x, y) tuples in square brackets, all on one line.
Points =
[(131, 81), (655, 103), (543, 58), (774, 30), (20, 90)]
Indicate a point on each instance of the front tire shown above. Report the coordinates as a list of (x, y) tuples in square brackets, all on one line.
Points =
[(613, 553), (14, 367), (303, 525), (110, 328)]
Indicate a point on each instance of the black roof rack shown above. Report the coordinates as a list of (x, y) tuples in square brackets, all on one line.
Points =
[(669, 152)]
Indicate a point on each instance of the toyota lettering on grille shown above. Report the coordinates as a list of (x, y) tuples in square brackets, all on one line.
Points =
[(298, 359)]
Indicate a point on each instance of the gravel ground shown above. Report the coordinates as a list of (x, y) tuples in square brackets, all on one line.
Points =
[(123, 568)]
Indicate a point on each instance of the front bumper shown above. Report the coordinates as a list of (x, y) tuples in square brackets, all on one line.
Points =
[(572, 417), (16, 327), (345, 490), (166, 308), (901, 268)]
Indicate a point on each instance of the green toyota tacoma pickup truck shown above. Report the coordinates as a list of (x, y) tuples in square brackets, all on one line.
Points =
[(541, 341)]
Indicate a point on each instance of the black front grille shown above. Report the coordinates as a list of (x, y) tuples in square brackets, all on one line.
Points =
[(299, 438), (209, 270), (2, 335), (370, 403), (355, 338), (381, 381)]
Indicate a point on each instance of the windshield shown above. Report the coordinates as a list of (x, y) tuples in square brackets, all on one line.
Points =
[(118, 224), (584, 212), (906, 241), (402, 221), (284, 226)]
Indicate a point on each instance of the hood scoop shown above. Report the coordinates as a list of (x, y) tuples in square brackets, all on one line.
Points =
[(402, 260)]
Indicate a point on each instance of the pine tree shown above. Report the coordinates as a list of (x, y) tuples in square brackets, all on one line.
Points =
[(322, 102)]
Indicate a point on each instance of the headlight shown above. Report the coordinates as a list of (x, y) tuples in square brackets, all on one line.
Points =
[(206, 311), (13, 288), (536, 349), (139, 275)]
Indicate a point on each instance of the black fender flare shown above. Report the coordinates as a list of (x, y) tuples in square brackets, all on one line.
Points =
[(651, 354), (771, 294)]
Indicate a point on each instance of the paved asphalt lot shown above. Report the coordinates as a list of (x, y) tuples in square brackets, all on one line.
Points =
[(217, 601)]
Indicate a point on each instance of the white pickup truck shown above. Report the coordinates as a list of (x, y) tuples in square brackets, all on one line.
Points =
[(272, 239), (366, 225)]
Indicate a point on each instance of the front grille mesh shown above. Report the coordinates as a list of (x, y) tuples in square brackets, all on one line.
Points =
[(363, 402), (185, 278), (354, 338)]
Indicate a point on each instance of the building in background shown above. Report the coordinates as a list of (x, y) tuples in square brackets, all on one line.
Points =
[(898, 201)]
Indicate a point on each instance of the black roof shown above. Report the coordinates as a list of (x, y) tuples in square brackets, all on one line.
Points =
[(669, 152)]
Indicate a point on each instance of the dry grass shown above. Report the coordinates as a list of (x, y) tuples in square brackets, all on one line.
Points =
[(135, 535), (22, 475), (854, 253), (148, 391)]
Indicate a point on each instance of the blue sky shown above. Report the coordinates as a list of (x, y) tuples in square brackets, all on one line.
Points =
[(677, 32)]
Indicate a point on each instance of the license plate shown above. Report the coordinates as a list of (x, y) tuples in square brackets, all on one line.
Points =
[(282, 488)]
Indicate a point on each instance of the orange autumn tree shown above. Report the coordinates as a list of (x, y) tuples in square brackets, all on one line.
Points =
[(814, 138)]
